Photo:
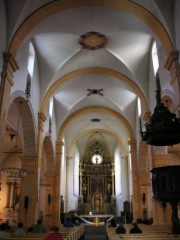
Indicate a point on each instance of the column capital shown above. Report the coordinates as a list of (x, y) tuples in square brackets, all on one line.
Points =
[(68, 158), (59, 146), (9, 67), (132, 143), (147, 116), (41, 120), (41, 117)]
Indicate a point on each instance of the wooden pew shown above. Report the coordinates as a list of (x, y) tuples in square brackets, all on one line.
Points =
[(149, 232)]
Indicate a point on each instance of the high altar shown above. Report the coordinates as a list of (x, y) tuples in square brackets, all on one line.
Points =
[(97, 181)]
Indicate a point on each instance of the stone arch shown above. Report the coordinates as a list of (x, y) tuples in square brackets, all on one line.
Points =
[(57, 6), (105, 110), (94, 130), (93, 70), (28, 123)]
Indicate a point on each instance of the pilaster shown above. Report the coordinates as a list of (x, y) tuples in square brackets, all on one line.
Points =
[(67, 180), (57, 183), (29, 193), (135, 182), (159, 213)]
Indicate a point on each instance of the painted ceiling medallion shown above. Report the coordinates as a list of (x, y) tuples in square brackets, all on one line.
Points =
[(93, 40), (95, 91), (95, 120)]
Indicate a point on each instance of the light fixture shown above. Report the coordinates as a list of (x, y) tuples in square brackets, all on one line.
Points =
[(164, 127)]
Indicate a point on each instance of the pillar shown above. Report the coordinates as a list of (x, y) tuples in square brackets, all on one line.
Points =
[(28, 195), (159, 214), (57, 183), (67, 181), (135, 182)]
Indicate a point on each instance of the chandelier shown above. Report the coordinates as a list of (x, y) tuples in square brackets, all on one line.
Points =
[(164, 127), (13, 172)]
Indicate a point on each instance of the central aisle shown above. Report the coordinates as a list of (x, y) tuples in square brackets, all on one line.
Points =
[(95, 233)]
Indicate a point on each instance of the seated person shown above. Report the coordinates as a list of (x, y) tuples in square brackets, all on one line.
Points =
[(113, 223), (120, 228), (54, 234), (135, 229), (20, 231), (68, 223), (38, 227), (3, 231)]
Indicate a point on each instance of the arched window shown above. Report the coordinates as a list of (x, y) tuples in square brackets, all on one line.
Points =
[(30, 68), (139, 107), (155, 59), (51, 105), (31, 59)]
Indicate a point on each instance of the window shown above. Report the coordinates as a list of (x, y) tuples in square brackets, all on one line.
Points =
[(31, 59), (155, 59), (96, 159), (139, 107), (51, 105)]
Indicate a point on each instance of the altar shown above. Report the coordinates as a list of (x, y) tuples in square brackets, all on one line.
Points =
[(96, 219)]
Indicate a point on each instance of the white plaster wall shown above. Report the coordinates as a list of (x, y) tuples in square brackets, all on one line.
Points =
[(73, 187), (121, 181)]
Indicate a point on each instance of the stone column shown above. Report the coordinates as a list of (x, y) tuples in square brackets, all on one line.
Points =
[(9, 67), (11, 205), (41, 120), (29, 184), (57, 183), (159, 216), (67, 181), (135, 182), (8, 194), (49, 181), (113, 178), (172, 64)]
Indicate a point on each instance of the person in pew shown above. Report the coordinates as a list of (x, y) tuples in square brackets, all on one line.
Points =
[(113, 223), (68, 223), (20, 230), (54, 234), (38, 227), (121, 229), (3, 231), (135, 229)]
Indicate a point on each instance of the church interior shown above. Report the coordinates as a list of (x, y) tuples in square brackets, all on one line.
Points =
[(90, 111)]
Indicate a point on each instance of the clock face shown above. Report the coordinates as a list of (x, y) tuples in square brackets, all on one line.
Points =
[(97, 159)]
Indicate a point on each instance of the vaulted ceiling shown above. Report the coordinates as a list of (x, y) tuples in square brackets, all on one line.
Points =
[(93, 58)]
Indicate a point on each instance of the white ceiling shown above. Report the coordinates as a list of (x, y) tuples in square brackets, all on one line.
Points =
[(59, 53)]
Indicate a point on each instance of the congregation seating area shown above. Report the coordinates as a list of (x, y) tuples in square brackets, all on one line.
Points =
[(71, 233), (149, 232)]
